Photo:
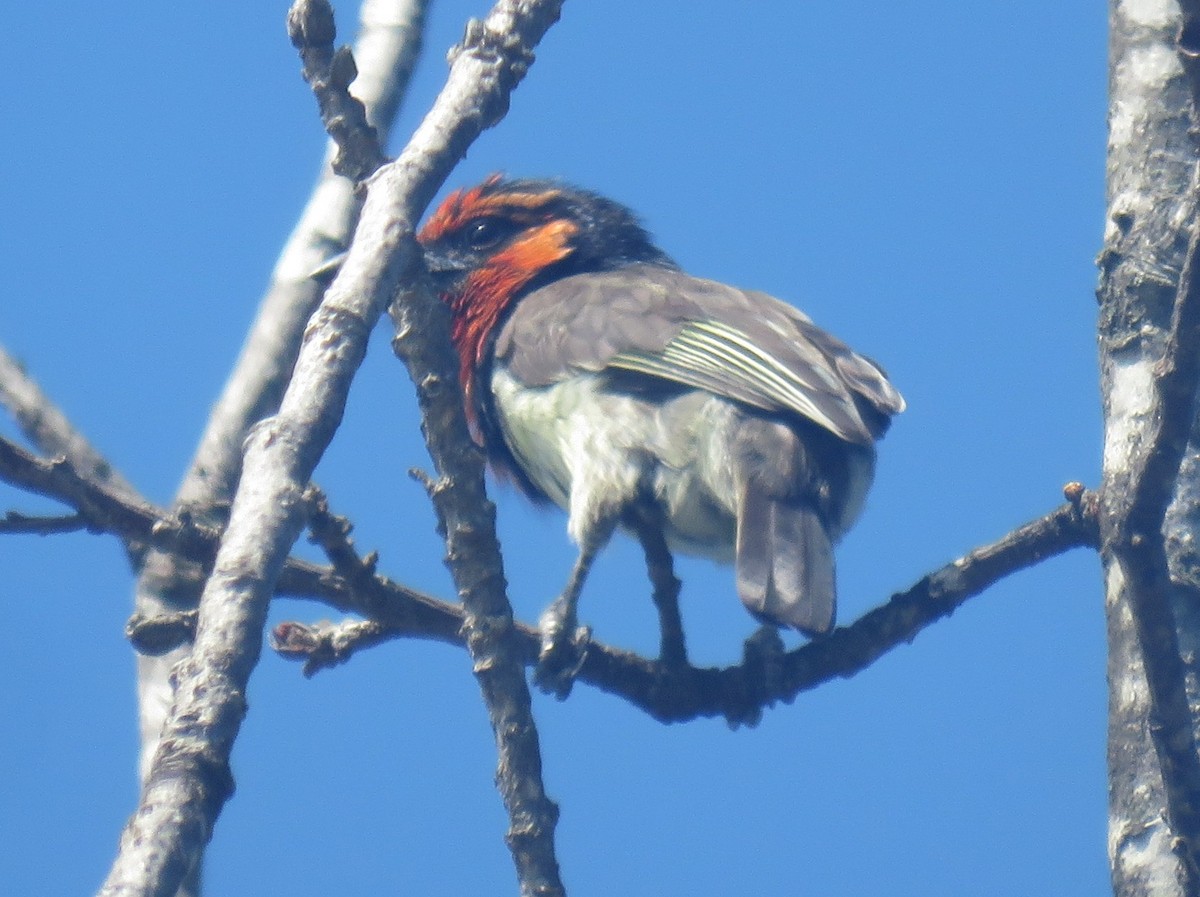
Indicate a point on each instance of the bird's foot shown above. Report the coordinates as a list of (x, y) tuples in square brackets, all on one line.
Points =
[(764, 653), (763, 656), (564, 649)]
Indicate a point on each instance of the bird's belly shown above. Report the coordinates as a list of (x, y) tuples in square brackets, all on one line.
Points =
[(598, 453)]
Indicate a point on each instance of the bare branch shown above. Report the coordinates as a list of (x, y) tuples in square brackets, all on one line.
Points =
[(489, 618), (737, 692), (740, 693), (189, 780), (132, 518), (45, 425), (332, 533), (330, 72), (14, 522), (103, 508), (326, 645), (466, 518), (389, 43), (166, 632)]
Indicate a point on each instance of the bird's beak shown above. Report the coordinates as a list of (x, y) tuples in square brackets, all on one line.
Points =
[(444, 271)]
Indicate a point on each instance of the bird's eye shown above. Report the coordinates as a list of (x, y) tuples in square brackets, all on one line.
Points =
[(484, 233)]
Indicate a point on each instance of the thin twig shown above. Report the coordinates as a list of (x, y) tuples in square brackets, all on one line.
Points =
[(332, 533), (466, 519), (103, 507), (15, 522), (45, 425), (330, 72)]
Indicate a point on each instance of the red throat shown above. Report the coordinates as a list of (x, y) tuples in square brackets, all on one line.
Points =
[(488, 292)]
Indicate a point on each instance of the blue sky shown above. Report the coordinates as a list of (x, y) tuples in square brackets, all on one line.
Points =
[(924, 179)]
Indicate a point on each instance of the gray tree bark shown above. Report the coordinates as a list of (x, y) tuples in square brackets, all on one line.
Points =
[(1148, 385)]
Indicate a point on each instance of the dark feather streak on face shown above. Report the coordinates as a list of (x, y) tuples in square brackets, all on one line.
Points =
[(493, 199)]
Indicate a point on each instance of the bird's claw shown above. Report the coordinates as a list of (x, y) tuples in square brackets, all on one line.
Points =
[(763, 655), (561, 658)]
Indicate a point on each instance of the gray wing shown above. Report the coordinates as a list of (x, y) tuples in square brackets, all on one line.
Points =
[(743, 345)]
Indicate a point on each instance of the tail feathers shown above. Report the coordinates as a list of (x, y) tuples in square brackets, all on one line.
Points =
[(785, 570)]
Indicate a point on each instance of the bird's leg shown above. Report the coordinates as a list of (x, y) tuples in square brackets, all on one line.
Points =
[(660, 567), (559, 621), (564, 642)]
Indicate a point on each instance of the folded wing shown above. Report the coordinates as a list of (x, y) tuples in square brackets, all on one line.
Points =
[(742, 345)]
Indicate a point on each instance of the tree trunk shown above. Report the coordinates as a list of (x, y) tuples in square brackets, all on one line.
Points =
[(1151, 207)]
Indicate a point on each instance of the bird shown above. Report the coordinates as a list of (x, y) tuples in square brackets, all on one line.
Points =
[(702, 418)]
